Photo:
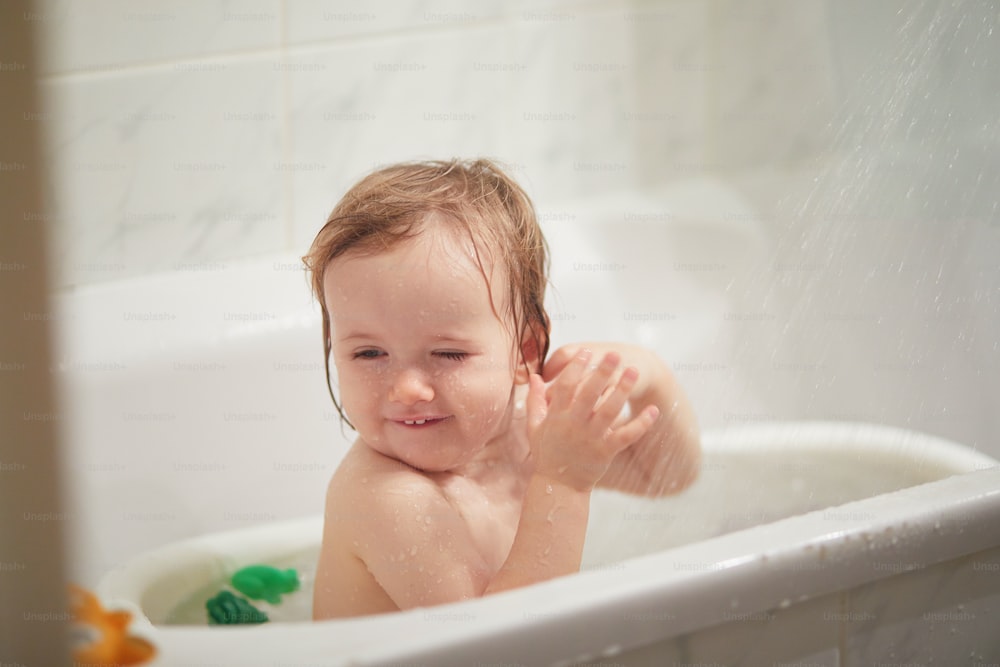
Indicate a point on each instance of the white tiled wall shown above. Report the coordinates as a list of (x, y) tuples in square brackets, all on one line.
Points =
[(116, 35), (166, 167), (775, 90), (190, 134)]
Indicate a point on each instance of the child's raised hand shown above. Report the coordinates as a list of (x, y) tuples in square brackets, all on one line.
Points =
[(571, 425), (632, 355)]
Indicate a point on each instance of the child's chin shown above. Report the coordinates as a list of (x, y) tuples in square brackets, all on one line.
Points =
[(434, 462), (422, 456), (434, 465)]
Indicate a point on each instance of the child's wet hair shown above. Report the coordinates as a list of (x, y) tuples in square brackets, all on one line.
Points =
[(473, 197)]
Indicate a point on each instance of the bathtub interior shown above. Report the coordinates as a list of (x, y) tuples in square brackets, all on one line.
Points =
[(751, 477), (213, 418), (758, 475)]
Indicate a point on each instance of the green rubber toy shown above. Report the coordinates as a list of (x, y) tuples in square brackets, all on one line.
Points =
[(263, 582), (227, 609)]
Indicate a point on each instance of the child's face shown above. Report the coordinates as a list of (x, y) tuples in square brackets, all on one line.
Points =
[(415, 339)]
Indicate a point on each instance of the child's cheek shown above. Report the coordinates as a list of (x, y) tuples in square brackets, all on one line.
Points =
[(461, 394)]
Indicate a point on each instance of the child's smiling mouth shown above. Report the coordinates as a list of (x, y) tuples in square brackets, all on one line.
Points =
[(420, 421)]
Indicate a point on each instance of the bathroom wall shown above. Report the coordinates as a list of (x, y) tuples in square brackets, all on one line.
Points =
[(187, 135)]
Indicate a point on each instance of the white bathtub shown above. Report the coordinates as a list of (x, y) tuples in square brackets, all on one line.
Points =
[(196, 409)]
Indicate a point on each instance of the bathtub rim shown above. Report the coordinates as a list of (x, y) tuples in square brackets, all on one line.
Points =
[(964, 506)]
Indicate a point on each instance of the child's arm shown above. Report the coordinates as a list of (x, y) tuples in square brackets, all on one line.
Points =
[(574, 438), (668, 457)]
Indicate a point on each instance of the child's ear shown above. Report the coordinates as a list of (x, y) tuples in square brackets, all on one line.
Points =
[(530, 361)]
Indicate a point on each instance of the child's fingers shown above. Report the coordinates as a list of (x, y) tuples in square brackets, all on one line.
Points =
[(613, 400), (535, 405), (631, 431), (593, 386), (610, 388), (558, 361), (562, 391)]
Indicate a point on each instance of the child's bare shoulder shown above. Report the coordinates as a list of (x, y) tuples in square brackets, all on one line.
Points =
[(379, 488)]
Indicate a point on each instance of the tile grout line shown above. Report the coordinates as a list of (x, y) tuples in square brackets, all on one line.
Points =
[(286, 135), (845, 608), (709, 139)]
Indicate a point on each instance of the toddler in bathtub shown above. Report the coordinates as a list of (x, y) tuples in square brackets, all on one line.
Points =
[(475, 457)]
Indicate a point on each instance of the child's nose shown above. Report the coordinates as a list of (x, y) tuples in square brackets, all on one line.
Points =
[(410, 386)]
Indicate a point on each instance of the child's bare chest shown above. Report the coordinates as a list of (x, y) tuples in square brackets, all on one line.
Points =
[(490, 515)]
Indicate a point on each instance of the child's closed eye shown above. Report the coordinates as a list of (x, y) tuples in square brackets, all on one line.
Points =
[(454, 356), (374, 354)]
